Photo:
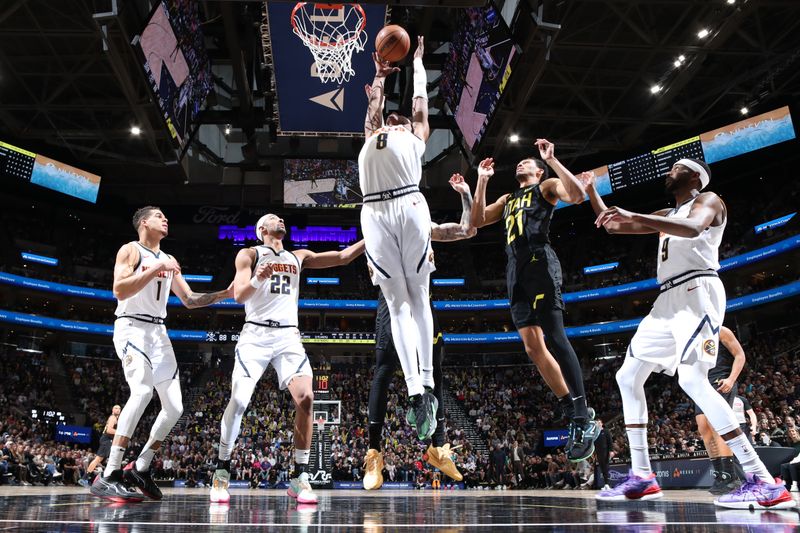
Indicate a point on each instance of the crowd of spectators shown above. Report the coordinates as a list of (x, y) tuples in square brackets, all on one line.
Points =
[(509, 407)]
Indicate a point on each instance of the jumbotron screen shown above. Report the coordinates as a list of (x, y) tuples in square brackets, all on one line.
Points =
[(477, 69), (321, 183), (177, 65), (752, 133)]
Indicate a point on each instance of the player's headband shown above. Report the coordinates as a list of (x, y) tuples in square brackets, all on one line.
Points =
[(697, 167), (260, 224)]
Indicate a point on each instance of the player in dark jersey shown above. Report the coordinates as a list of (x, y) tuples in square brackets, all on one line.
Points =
[(104, 448), (730, 361), (533, 276), (387, 362)]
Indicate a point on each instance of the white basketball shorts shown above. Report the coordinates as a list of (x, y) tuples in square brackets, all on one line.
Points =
[(397, 234), (141, 344), (683, 326), (259, 347)]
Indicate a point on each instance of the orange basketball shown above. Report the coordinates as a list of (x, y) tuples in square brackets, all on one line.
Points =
[(392, 43)]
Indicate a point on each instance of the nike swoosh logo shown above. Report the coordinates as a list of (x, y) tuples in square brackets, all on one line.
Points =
[(693, 288)]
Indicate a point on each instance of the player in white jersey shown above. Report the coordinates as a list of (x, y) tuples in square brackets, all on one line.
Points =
[(268, 283), (396, 224), (144, 276), (681, 333)]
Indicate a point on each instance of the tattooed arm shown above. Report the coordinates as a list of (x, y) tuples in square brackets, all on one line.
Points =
[(463, 230)]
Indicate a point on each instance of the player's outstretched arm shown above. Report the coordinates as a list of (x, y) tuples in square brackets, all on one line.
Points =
[(311, 259), (419, 102), (567, 188), (482, 215), (729, 340), (464, 229), (599, 206), (245, 281), (705, 210), (375, 93), (126, 283), (193, 300)]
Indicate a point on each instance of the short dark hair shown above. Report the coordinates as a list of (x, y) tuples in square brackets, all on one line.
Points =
[(142, 213), (540, 164)]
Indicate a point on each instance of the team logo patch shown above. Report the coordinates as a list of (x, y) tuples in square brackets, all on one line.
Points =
[(128, 359), (710, 347)]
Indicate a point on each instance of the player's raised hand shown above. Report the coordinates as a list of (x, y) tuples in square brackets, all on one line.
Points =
[(613, 214), (420, 47), (263, 271), (586, 179), (486, 168), (382, 68), (546, 149), (458, 184)]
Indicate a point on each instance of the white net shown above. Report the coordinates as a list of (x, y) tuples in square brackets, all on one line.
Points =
[(333, 32)]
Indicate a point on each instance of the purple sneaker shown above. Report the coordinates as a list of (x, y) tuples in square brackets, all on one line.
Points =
[(756, 494), (632, 487)]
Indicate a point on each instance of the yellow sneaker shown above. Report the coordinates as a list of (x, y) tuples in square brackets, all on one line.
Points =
[(373, 466), (440, 458)]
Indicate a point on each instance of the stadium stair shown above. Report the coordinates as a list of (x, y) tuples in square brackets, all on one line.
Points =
[(459, 418), (62, 392)]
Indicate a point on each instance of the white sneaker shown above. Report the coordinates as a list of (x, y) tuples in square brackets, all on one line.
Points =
[(300, 489), (219, 487)]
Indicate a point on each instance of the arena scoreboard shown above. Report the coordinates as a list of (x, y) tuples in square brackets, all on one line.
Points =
[(752, 133), (322, 384)]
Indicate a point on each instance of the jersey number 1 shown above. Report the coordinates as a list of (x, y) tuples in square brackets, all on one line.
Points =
[(158, 290)]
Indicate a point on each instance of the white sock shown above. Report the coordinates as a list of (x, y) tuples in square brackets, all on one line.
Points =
[(301, 457), (145, 458), (114, 460), (748, 458), (640, 458)]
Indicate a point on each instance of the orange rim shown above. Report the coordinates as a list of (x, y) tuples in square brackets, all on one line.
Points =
[(316, 42)]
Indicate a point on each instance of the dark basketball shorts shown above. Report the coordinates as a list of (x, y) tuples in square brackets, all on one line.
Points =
[(534, 287), (728, 396), (104, 450)]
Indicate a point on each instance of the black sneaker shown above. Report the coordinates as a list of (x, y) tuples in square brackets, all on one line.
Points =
[(143, 480), (422, 414), (112, 488), (724, 483), (580, 444)]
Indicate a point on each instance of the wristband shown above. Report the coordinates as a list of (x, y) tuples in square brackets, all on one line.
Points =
[(420, 79), (255, 282)]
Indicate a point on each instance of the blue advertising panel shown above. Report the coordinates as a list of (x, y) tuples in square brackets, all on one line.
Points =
[(80, 434), (776, 223), (602, 328), (36, 258), (305, 104), (198, 278), (322, 281), (555, 437), (594, 269), (448, 282)]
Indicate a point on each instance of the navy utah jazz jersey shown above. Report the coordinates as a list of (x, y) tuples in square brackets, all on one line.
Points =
[(527, 218)]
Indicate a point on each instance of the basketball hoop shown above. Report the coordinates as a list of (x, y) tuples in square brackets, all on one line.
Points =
[(320, 424), (332, 32)]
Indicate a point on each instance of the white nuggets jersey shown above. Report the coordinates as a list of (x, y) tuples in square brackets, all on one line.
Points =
[(274, 303), (151, 301), (391, 158), (677, 255)]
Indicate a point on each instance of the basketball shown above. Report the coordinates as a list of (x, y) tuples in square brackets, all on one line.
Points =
[(392, 43)]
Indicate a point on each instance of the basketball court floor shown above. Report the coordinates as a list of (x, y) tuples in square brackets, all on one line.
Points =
[(184, 510)]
